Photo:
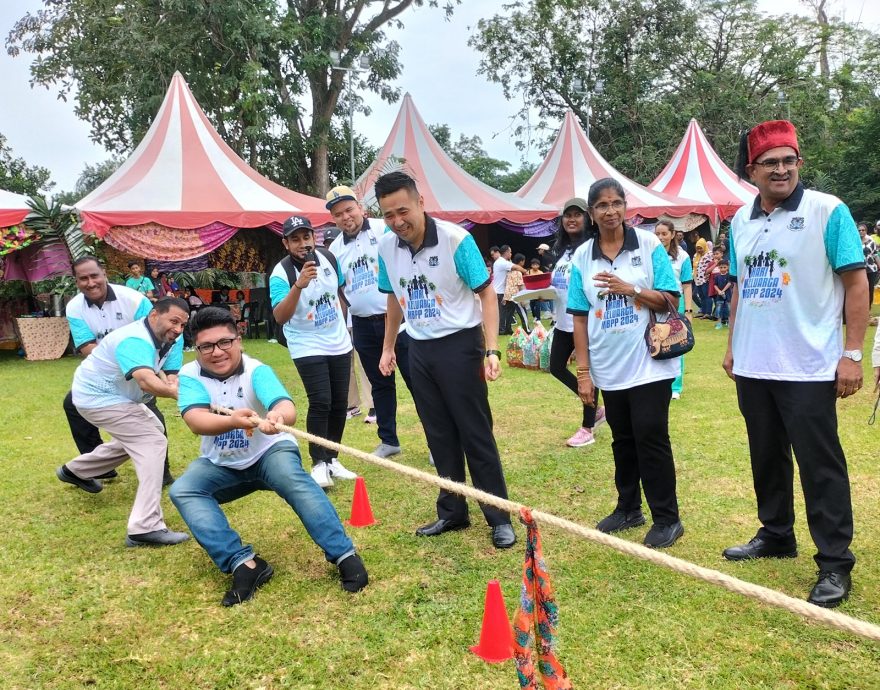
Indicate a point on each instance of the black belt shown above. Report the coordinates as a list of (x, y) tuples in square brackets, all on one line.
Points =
[(374, 317)]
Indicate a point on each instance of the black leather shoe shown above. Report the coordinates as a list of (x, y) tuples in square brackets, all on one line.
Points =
[(761, 548), (503, 536), (435, 529), (661, 536), (353, 573), (620, 520), (160, 537), (112, 474), (245, 582), (90, 485), (830, 589)]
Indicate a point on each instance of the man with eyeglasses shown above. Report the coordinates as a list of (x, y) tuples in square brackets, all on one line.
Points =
[(240, 455), (795, 261)]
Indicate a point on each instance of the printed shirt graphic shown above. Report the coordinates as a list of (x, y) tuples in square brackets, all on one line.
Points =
[(435, 287), (142, 284), (317, 326), (359, 264), (89, 322), (105, 377), (683, 270), (616, 324), (786, 264), (254, 386), (559, 280)]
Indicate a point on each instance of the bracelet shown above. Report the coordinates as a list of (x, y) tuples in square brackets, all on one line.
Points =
[(497, 353)]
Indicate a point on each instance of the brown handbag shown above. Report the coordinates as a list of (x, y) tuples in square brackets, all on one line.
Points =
[(670, 338)]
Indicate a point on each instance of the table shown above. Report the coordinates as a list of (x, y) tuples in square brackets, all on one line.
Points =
[(43, 338)]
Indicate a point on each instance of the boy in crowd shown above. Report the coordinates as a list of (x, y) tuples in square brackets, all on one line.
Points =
[(722, 283)]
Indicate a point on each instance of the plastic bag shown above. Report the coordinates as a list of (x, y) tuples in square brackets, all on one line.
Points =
[(515, 349), (544, 356)]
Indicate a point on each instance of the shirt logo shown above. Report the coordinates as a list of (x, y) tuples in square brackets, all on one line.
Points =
[(433, 261), (373, 240), (796, 224), (240, 393), (119, 317), (326, 271), (636, 261)]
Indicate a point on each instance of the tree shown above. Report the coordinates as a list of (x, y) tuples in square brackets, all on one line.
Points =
[(469, 153), (91, 177), (253, 65), (19, 177)]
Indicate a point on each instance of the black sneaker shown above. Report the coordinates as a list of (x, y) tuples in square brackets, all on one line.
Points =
[(112, 474), (353, 573), (661, 536), (620, 520), (245, 582), (90, 485)]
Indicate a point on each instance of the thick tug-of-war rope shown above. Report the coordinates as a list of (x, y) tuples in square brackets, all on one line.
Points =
[(765, 595)]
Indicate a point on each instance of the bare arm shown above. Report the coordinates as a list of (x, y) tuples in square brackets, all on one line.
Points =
[(284, 310), (151, 383), (489, 304), (393, 319), (849, 373), (653, 299), (206, 423), (727, 363), (688, 290), (86, 349), (582, 356)]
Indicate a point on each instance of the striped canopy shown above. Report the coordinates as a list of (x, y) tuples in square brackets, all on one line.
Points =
[(450, 193), (573, 164), (13, 208), (697, 172), (183, 175)]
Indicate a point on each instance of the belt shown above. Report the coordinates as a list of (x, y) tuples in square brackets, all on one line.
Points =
[(374, 317)]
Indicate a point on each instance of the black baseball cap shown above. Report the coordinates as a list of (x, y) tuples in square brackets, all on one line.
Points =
[(295, 223), (331, 234)]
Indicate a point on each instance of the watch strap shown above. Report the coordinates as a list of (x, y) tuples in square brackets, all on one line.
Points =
[(497, 353)]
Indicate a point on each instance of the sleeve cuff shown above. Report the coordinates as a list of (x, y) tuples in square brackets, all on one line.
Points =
[(482, 286), (386, 292), (278, 400), (172, 371), (129, 374), (196, 406), (577, 312), (87, 342), (849, 267)]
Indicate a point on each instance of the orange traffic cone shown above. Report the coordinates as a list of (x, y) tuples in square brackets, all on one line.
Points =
[(496, 636), (361, 512)]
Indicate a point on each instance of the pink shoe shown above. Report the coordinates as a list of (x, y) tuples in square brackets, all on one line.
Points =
[(600, 417), (582, 437)]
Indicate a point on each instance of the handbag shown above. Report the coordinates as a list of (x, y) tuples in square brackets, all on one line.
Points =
[(672, 337)]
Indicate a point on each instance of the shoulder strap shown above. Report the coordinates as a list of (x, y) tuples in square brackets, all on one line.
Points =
[(327, 254), (289, 269)]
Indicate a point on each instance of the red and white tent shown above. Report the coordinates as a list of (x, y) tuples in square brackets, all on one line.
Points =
[(573, 164), (183, 175), (450, 193), (13, 208), (697, 172)]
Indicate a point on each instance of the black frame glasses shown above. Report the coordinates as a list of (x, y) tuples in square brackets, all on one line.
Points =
[(223, 344), (604, 207)]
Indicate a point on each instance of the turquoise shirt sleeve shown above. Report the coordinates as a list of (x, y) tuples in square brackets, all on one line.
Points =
[(80, 332), (664, 276), (687, 271), (843, 246), (339, 273), (191, 393), (268, 388), (278, 289), (175, 358), (731, 249), (384, 281), (144, 308), (577, 298), (134, 353), (469, 264)]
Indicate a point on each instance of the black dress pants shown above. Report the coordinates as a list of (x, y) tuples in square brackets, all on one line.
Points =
[(782, 416), (325, 378), (452, 399), (639, 421)]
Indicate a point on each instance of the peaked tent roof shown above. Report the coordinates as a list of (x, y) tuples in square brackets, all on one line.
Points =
[(183, 175), (573, 164), (450, 193), (13, 208), (697, 172)]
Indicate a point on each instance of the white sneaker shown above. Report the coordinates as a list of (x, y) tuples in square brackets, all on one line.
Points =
[(600, 418), (431, 459), (337, 469), (386, 450), (321, 475), (676, 395)]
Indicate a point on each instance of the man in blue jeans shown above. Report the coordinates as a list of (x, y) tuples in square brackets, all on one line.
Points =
[(240, 455)]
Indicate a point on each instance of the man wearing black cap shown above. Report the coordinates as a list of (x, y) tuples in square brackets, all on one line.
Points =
[(357, 251), (304, 291)]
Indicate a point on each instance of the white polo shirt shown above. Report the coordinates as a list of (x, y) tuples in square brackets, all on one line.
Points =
[(317, 326), (787, 264), (90, 322), (500, 269), (436, 284), (559, 280), (105, 377), (683, 270), (619, 356), (254, 386), (358, 259)]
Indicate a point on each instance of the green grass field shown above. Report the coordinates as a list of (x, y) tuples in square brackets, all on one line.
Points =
[(81, 610)]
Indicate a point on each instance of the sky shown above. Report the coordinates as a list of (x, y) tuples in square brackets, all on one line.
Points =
[(43, 130)]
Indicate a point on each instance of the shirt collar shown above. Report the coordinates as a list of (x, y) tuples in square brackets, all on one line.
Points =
[(238, 371), (366, 226), (111, 297), (630, 243), (160, 346), (429, 240), (790, 204)]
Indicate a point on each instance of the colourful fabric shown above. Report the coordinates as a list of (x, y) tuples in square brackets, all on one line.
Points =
[(169, 244), (15, 238), (37, 262), (537, 616)]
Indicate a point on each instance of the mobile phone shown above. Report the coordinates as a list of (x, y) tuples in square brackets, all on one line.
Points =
[(311, 255)]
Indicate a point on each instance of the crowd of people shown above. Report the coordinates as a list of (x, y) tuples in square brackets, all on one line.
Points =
[(421, 300)]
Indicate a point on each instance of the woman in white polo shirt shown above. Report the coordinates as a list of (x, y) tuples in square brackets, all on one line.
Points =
[(616, 277)]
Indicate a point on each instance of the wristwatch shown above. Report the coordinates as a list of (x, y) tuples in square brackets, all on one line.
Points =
[(497, 353), (636, 291), (854, 355)]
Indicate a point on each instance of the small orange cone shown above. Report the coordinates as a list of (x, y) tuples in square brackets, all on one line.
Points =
[(496, 636), (361, 512)]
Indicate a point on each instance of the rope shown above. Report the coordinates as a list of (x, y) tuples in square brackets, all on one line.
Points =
[(765, 595)]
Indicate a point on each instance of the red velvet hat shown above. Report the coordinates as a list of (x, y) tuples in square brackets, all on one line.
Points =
[(769, 135)]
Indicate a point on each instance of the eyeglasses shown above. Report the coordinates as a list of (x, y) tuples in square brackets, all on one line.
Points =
[(788, 163), (208, 348), (604, 207)]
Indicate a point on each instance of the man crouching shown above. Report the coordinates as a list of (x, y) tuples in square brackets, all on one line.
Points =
[(240, 456)]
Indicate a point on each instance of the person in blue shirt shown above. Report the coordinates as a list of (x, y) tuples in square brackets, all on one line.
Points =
[(138, 281), (240, 455)]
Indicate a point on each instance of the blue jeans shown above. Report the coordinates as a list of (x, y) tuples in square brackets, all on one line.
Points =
[(722, 309), (197, 495)]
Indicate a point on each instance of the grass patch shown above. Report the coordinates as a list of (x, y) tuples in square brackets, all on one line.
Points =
[(81, 610)]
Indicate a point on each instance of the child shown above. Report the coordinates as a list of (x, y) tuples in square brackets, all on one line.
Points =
[(713, 270), (535, 304), (723, 288)]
